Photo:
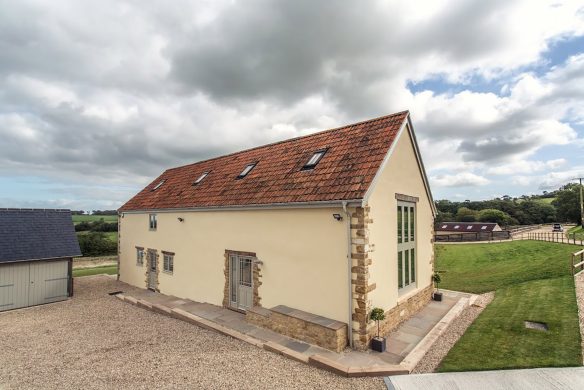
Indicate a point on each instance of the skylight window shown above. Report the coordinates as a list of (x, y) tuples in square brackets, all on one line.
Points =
[(157, 186), (314, 159), (444, 226), (246, 170), (469, 227), (484, 228), (200, 179), (457, 226)]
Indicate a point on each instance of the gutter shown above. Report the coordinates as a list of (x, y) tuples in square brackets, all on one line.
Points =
[(349, 273)]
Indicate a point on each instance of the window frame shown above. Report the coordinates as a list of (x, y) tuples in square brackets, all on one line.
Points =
[(140, 255), (168, 262), (201, 178), (152, 222), (247, 170), (160, 183), (406, 237), (320, 153)]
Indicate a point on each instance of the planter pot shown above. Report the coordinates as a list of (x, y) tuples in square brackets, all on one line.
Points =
[(378, 344), (437, 296)]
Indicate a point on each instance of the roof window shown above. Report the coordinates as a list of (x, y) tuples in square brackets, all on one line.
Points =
[(444, 226), (246, 170), (457, 226), (157, 186), (469, 227), (316, 157), (200, 179), (484, 228)]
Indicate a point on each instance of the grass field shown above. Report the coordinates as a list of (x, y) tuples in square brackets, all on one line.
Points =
[(92, 218), (545, 200), (110, 270), (532, 282)]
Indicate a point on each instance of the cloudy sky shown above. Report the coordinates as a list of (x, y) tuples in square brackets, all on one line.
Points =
[(98, 98)]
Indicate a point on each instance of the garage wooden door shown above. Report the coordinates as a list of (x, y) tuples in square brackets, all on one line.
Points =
[(36, 283)]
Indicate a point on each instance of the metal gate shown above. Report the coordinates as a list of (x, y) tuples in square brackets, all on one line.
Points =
[(35, 283), (240, 282)]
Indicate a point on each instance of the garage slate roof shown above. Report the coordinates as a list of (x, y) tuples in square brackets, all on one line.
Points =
[(34, 234), (354, 154)]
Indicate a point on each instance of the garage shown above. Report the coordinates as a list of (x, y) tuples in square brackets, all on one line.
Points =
[(37, 247)]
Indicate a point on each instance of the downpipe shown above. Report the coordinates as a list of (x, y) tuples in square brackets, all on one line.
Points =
[(349, 266)]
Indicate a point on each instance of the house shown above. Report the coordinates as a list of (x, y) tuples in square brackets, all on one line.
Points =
[(330, 225), (466, 227), (37, 247)]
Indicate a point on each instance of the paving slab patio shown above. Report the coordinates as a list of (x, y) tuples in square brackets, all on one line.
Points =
[(405, 346)]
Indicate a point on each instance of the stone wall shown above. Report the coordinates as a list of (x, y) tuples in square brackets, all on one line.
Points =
[(307, 327), (402, 312)]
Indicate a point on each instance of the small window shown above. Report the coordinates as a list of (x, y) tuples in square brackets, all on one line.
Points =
[(484, 228), (444, 226), (140, 256), (246, 170), (200, 179), (168, 265), (153, 222), (469, 227), (457, 226), (157, 186), (316, 157)]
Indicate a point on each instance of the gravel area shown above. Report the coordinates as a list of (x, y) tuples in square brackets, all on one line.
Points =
[(95, 341), (580, 297), (439, 350)]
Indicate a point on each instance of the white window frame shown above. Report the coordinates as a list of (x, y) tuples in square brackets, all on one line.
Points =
[(167, 262), (160, 183), (407, 251), (201, 178), (152, 222), (140, 257)]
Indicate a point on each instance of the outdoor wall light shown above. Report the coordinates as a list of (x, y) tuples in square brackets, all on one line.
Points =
[(181, 219), (338, 217)]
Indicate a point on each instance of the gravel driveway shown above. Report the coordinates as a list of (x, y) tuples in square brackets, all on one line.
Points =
[(96, 341)]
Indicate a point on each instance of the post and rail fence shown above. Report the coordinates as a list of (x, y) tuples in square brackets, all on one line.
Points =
[(570, 238), (577, 262)]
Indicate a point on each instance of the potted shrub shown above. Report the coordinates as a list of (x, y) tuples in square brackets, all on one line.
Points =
[(377, 343), (437, 295)]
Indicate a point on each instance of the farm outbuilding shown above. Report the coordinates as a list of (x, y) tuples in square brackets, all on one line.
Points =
[(37, 247)]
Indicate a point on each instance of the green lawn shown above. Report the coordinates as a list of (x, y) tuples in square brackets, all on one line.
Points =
[(545, 200), (532, 281), (108, 269), (91, 218)]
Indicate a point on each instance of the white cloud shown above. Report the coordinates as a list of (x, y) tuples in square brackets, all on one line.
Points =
[(463, 179), (526, 167)]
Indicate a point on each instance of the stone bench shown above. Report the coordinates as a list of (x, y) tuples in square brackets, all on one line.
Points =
[(301, 325)]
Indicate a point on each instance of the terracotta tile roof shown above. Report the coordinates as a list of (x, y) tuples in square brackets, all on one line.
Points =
[(354, 154)]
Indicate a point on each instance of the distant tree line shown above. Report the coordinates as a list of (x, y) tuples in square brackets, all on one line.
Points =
[(104, 212), (96, 226), (524, 210)]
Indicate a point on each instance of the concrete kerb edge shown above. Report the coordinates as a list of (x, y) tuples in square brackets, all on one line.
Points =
[(414, 357)]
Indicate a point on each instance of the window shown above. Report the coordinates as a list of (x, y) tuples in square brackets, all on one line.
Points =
[(469, 227), (153, 222), (157, 186), (200, 179), (457, 226), (246, 170), (406, 246), (168, 263), (444, 226), (139, 256), (483, 228), (316, 157)]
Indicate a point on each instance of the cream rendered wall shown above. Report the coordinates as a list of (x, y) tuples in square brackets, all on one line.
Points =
[(401, 175), (304, 252)]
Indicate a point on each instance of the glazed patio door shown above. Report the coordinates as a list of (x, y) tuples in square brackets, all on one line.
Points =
[(406, 246), (240, 282)]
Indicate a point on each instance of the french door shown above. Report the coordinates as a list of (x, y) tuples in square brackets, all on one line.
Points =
[(406, 246), (240, 282)]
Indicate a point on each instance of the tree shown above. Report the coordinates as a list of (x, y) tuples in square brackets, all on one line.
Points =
[(567, 203), (464, 214), (493, 215), (444, 217), (96, 244)]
